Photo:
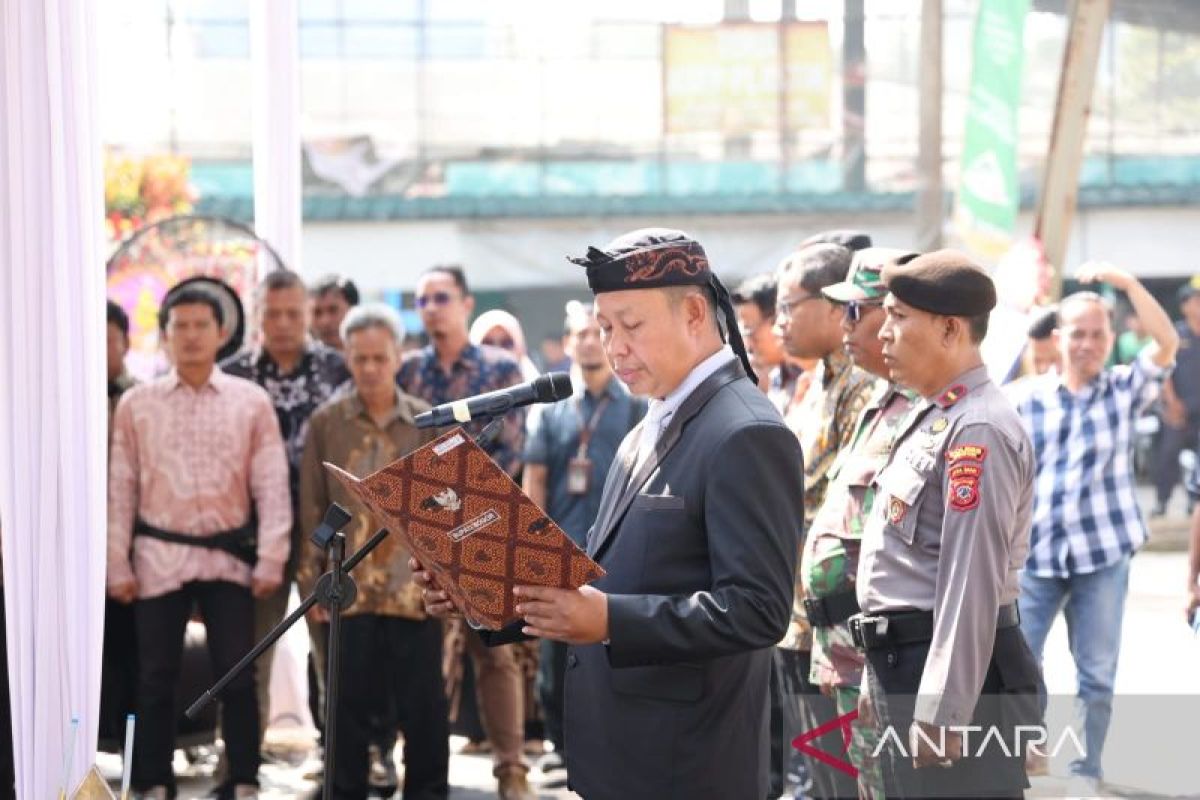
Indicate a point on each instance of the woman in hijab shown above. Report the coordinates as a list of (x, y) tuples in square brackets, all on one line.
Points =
[(501, 329)]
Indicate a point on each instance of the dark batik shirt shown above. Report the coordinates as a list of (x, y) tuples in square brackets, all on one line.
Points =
[(296, 396), (478, 369)]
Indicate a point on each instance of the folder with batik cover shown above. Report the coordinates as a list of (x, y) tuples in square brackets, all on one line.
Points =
[(470, 524)]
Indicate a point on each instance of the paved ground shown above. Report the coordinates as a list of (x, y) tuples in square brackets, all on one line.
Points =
[(1152, 734)]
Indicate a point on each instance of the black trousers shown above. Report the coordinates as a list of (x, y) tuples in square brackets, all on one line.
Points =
[(118, 675), (388, 657), (812, 709), (1009, 698), (552, 671), (1171, 441), (8, 778), (228, 613)]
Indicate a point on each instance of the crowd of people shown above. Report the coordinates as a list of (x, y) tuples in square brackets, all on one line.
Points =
[(778, 549)]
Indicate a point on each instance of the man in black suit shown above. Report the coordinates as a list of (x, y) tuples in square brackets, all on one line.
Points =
[(698, 529)]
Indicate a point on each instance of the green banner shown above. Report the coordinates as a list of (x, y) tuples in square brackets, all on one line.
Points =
[(988, 191)]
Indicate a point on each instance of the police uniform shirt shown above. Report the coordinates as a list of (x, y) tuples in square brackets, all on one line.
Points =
[(948, 533)]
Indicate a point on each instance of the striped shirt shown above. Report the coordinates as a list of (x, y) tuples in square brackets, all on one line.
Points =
[(1085, 512)]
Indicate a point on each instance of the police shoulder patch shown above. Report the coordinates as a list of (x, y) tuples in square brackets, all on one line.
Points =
[(964, 493), (966, 452)]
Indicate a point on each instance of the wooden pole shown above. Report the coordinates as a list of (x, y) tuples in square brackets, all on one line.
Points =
[(930, 206), (1056, 206)]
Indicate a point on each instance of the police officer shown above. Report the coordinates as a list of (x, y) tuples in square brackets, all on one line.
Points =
[(942, 546)]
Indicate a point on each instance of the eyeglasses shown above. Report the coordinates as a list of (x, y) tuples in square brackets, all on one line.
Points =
[(505, 343), (855, 309), (435, 299), (786, 307)]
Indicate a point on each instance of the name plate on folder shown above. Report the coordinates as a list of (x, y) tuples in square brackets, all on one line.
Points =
[(470, 524)]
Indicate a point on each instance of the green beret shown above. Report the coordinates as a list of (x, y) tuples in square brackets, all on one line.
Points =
[(943, 282)]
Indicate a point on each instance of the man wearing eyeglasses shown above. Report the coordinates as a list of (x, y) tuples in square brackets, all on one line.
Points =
[(451, 368), (831, 546), (754, 304), (810, 326)]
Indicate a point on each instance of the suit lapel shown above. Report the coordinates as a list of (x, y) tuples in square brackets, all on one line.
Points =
[(614, 484), (619, 495)]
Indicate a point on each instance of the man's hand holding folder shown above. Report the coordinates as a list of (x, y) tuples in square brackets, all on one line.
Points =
[(574, 616)]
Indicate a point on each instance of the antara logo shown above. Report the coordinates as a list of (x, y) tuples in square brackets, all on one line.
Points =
[(1026, 738)]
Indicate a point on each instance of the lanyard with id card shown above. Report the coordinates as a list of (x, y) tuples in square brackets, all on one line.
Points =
[(579, 468)]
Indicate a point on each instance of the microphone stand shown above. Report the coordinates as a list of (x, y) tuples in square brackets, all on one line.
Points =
[(335, 592)]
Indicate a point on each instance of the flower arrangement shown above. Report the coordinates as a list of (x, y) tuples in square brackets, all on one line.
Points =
[(142, 191)]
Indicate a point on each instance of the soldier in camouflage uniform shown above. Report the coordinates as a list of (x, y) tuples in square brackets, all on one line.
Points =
[(809, 324), (830, 558)]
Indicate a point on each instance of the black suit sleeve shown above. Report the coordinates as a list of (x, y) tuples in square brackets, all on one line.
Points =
[(753, 517)]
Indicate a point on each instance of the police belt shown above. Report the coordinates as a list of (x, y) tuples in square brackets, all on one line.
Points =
[(892, 629), (241, 543), (833, 609)]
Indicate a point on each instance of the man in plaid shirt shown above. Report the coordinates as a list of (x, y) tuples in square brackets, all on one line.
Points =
[(1086, 520)]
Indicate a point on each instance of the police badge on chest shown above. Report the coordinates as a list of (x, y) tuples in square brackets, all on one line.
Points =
[(579, 475)]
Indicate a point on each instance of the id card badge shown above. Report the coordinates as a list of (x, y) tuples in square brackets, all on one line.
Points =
[(579, 475)]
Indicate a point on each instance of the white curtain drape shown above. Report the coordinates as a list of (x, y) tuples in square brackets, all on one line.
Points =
[(275, 52), (52, 398)]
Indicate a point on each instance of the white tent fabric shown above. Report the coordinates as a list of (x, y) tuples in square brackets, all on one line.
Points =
[(275, 50), (275, 33), (52, 412)]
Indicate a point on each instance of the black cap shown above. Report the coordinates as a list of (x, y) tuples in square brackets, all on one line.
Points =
[(1188, 290), (849, 239), (657, 258), (943, 282)]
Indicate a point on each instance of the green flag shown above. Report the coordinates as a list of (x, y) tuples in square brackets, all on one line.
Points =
[(988, 192)]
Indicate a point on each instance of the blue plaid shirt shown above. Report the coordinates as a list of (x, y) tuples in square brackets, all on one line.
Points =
[(1085, 512), (477, 369)]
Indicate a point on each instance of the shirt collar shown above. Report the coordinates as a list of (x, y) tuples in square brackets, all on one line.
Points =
[(961, 386), (355, 407), (216, 380), (662, 409), (260, 357), (469, 357), (836, 364), (1098, 383), (612, 389)]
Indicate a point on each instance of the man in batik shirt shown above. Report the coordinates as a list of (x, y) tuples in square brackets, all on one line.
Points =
[(299, 375), (390, 648), (194, 453), (830, 559), (451, 368), (809, 325)]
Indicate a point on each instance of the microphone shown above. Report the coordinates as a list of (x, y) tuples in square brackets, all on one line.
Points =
[(548, 388)]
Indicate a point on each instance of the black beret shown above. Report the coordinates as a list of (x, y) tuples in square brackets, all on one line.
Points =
[(943, 282), (849, 239)]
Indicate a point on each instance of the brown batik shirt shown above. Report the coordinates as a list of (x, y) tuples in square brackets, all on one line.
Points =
[(343, 433)]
